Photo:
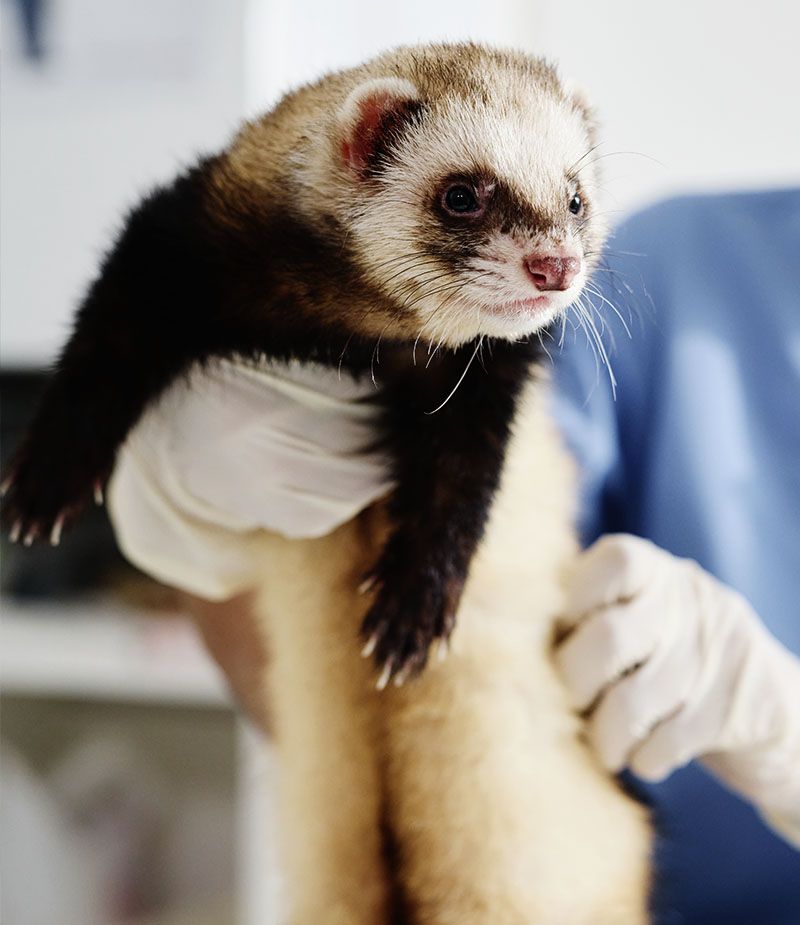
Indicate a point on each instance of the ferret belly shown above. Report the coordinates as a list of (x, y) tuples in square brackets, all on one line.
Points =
[(496, 811)]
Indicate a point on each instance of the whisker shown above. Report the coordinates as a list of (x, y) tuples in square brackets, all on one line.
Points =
[(616, 253), (582, 327), (590, 151), (341, 355), (596, 292), (433, 267), (601, 157), (601, 348), (563, 331), (400, 258), (435, 351), (461, 379), (375, 351), (541, 344), (457, 283)]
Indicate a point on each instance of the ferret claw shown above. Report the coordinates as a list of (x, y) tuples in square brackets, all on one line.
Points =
[(6, 484), (30, 536), (55, 533), (441, 649), (383, 680), (402, 676), (98, 494), (369, 648), (15, 531)]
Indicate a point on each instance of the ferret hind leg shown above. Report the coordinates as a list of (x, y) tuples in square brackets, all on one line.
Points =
[(500, 814), (456, 776), (323, 708)]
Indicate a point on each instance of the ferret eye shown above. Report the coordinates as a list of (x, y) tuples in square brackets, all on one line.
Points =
[(576, 205), (459, 199)]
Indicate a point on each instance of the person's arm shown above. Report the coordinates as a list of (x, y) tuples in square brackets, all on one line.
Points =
[(233, 638), (671, 665), (607, 435)]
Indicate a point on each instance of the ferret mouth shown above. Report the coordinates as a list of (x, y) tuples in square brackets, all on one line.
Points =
[(526, 306)]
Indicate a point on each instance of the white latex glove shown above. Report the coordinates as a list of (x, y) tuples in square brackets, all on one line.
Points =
[(674, 665), (236, 448)]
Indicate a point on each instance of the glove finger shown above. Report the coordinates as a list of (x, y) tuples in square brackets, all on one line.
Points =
[(672, 744), (615, 568), (632, 707), (604, 646)]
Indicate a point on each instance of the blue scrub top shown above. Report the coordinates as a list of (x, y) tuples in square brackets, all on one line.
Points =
[(700, 452)]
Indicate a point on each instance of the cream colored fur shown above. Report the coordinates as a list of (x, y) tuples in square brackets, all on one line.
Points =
[(498, 813)]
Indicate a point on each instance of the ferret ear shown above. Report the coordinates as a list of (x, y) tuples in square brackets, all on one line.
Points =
[(577, 96), (372, 116)]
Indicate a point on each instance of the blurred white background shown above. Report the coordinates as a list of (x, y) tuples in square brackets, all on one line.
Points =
[(118, 95)]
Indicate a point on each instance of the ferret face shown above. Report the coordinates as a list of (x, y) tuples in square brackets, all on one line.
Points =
[(474, 211)]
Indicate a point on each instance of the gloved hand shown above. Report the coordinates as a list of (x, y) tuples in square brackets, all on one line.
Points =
[(234, 449), (673, 665)]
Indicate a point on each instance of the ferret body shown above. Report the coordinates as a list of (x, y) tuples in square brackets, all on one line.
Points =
[(419, 219), (467, 795)]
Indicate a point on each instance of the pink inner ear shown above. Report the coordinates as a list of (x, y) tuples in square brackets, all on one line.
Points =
[(359, 144)]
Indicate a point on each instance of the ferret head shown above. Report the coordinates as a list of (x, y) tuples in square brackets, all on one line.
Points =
[(466, 189)]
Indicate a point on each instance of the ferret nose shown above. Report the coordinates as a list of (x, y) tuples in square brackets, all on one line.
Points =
[(552, 273)]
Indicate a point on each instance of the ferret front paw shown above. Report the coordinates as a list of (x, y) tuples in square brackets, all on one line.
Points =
[(412, 612), (43, 493)]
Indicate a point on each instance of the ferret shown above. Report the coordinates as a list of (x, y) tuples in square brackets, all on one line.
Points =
[(420, 219)]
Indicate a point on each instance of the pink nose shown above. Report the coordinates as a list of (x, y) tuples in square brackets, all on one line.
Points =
[(552, 273)]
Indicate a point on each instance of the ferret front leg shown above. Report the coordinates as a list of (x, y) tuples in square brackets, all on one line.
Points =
[(107, 374), (448, 465), (99, 391), (144, 320), (65, 458)]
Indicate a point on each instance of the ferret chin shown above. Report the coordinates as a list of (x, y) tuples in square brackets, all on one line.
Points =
[(432, 201), (520, 317)]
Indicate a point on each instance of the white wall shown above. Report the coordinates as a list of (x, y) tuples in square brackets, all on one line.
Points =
[(128, 92), (292, 41), (704, 92), (708, 88)]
